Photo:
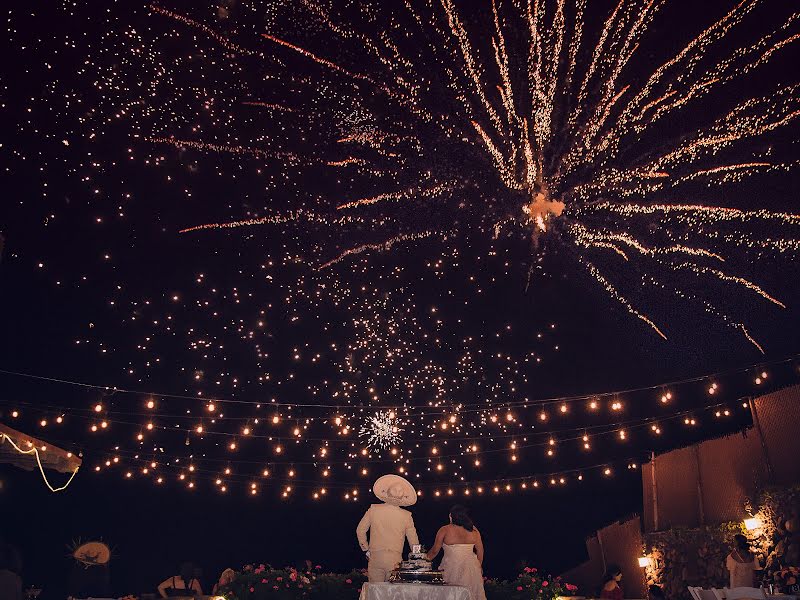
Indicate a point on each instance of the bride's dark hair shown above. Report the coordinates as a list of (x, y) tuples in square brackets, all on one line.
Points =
[(461, 517)]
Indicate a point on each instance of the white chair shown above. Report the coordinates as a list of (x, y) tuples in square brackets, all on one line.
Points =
[(707, 594), (694, 592), (744, 593)]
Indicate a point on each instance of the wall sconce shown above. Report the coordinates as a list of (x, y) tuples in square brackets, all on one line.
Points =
[(645, 561), (752, 523)]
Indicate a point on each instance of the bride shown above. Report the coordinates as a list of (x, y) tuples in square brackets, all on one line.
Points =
[(463, 553)]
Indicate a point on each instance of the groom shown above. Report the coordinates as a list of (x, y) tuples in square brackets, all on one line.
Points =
[(388, 525)]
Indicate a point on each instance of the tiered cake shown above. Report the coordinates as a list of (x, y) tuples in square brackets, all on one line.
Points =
[(417, 568)]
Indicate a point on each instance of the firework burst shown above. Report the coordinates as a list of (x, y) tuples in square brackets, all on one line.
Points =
[(546, 120), (381, 430), (557, 133)]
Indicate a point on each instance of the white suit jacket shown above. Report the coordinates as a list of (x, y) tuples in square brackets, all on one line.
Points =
[(388, 526)]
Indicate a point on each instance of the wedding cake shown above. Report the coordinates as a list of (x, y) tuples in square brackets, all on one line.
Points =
[(417, 568)]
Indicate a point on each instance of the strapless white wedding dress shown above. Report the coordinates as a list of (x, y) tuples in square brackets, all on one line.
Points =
[(461, 567)]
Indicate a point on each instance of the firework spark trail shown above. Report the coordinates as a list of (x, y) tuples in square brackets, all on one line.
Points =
[(614, 293), (458, 31), (501, 58), (222, 40), (709, 308), (731, 278), (686, 59), (224, 148), (383, 246), (596, 58), (711, 213), (750, 338), (575, 43), (736, 126), (409, 90), (408, 194), (610, 95), (346, 162), (724, 72), (299, 215), (500, 163), (278, 107), (324, 61), (729, 172), (609, 239)]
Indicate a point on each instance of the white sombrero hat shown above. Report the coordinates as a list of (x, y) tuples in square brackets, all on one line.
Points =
[(92, 553), (393, 489)]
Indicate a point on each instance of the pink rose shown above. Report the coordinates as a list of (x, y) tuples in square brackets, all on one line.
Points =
[(279, 579), (318, 567), (274, 587), (571, 587), (252, 590), (545, 583), (293, 576), (263, 581), (348, 581), (519, 588)]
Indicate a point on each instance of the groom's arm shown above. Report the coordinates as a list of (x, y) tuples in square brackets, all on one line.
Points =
[(361, 530), (411, 532)]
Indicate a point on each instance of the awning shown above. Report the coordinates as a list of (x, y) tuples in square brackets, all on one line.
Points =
[(30, 453)]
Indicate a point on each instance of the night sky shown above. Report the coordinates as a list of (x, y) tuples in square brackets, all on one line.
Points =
[(274, 238)]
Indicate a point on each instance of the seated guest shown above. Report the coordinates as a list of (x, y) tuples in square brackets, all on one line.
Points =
[(654, 592), (742, 563), (182, 585), (224, 579), (611, 589), (10, 581)]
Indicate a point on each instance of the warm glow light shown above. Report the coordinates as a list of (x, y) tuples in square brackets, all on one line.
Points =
[(752, 523), (644, 561)]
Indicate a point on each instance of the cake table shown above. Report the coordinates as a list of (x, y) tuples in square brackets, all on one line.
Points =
[(413, 591)]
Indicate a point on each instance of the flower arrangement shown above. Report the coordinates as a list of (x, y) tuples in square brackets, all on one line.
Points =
[(263, 582), (787, 578), (528, 585)]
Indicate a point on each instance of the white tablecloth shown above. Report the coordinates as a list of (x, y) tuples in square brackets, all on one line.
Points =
[(413, 591)]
